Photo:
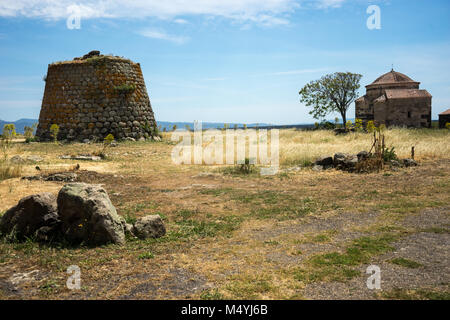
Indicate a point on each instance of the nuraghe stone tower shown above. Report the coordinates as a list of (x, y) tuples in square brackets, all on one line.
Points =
[(93, 96)]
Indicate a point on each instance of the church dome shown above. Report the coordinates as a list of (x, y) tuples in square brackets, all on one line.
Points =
[(393, 78)]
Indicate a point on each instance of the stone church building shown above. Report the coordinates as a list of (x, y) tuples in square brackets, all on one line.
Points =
[(394, 99)]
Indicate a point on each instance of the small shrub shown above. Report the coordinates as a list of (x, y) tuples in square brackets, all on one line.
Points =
[(389, 154), (9, 132), (54, 130), (349, 125), (29, 133), (146, 255), (125, 88), (447, 125), (370, 127), (246, 167), (358, 125)]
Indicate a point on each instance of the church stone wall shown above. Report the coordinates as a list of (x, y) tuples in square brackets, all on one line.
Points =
[(93, 96)]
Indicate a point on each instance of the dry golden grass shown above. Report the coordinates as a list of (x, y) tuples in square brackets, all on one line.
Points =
[(229, 236), (298, 147)]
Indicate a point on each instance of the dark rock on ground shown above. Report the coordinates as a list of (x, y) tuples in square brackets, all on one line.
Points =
[(409, 162), (324, 161), (149, 227), (64, 176), (363, 155), (35, 215)]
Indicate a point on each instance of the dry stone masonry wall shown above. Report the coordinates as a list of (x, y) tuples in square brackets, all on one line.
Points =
[(93, 96)]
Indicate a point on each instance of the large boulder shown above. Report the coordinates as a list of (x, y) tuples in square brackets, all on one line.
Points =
[(88, 216), (34, 216), (149, 227)]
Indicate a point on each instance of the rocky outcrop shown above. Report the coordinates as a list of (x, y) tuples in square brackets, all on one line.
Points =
[(355, 162), (88, 216), (34, 216)]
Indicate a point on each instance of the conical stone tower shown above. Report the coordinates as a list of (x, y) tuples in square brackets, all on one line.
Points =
[(93, 96)]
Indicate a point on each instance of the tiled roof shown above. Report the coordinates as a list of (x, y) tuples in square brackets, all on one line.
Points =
[(406, 93), (445, 112), (393, 77)]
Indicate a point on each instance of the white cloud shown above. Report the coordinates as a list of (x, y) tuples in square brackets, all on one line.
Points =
[(162, 35), (180, 21), (267, 12), (323, 4)]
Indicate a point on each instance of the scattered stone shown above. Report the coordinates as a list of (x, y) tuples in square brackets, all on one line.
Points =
[(18, 278), (409, 162), (363, 155), (157, 138), (64, 177), (81, 157), (324, 161), (61, 177), (88, 216), (149, 227), (130, 139), (339, 158), (32, 178), (34, 159), (35, 215), (395, 163), (317, 167)]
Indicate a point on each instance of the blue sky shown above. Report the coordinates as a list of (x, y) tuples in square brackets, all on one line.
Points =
[(226, 60)]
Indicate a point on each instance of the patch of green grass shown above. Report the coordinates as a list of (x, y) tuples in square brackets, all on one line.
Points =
[(436, 230), (336, 266), (146, 256), (185, 214), (216, 192), (249, 288), (187, 229), (211, 294), (405, 205), (130, 218), (329, 273), (49, 287), (284, 212), (390, 228), (406, 263), (420, 294)]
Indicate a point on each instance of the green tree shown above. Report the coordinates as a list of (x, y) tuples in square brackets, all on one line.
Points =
[(332, 93), (9, 132), (29, 132)]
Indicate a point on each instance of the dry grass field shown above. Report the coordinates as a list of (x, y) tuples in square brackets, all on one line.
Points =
[(299, 234)]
